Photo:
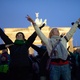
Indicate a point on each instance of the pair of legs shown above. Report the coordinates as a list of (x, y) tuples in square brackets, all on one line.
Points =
[(57, 71)]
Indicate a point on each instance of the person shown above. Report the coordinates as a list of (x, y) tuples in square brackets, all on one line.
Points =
[(4, 49), (59, 65), (77, 64), (42, 58), (35, 67), (20, 66), (4, 66), (72, 62)]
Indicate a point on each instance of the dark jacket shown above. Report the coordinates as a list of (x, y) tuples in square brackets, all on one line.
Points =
[(18, 53)]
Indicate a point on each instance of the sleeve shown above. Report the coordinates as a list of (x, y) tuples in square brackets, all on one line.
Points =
[(40, 34), (32, 37), (39, 50), (35, 48), (69, 35), (5, 38)]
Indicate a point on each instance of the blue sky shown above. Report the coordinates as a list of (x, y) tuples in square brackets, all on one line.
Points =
[(59, 13)]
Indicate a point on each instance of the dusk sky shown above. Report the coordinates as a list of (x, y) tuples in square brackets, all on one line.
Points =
[(59, 13)]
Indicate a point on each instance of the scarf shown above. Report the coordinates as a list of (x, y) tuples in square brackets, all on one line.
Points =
[(19, 42), (62, 52)]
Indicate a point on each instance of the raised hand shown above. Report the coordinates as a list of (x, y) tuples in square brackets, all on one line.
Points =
[(30, 19), (78, 21)]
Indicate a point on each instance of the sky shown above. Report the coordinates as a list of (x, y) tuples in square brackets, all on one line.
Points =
[(59, 13)]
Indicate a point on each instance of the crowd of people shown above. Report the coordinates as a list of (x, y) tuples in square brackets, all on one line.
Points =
[(19, 64)]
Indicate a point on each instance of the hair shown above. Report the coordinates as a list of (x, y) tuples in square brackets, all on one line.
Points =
[(51, 33), (22, 35)]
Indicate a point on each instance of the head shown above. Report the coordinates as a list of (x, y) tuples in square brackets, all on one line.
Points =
[(20, 36), (54, 32), (4, 56)]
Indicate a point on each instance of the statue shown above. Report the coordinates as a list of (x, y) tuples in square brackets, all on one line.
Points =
[(45, 21), (37, 15), (38, 21)]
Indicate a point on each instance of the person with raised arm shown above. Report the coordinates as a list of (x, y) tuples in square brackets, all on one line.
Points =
[(20, 66), (59, 65)]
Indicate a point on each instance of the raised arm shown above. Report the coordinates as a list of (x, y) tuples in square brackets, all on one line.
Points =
[(36, 48), (5, 38), (69, 35), (38, 31), (33, 36), (31, 39)]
